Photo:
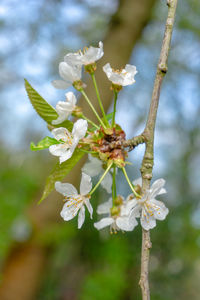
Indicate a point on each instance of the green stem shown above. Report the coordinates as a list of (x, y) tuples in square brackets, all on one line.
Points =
[(114, 110), (130, 184), (99, 99), (114, 191), (85, 151), (100, 180), (92, 107), (89, 121)]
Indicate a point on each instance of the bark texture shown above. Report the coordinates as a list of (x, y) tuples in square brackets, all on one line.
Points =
[(148, 134), (27, 263)]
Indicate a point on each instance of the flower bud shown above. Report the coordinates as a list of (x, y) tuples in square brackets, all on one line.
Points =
[(115, 87), (138, 189), (77, 112), (91, 68), (79, 85), (118, 201)]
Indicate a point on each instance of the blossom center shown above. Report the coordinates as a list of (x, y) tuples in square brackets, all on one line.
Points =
[(109, 144), (113, 228), (118, 71), (74, 200), (149, 208), (67, 139)]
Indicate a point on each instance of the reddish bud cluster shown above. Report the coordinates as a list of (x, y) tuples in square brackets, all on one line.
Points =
[(108, 143)]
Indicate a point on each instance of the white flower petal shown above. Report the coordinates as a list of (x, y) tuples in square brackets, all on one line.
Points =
[(71, 99), (132, 219), (89, 56), (65, 149), (68, 72), (61, 133), (59, 149), (162, 191), (123, 77), (128, 206), (93, 167), (136, 211), (117, 79), (60, 84), (70, 210), (63, 107), (73, 58), (63, 110), (79, 129), (148, 222), (160, 211), (66, 189), (105, 207), (130, 73), (60, 119), (156, 187), (89, 207), (108, 70), (125, 224), (67, 155), (103, 223), (107, 183), (131, 69), (93, 54), (86, 184), (81, 216)]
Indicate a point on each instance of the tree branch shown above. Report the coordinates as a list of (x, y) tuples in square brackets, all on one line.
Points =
[(147, 163), (135, 141)]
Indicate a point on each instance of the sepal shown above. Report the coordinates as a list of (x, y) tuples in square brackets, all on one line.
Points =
[(43, 144)]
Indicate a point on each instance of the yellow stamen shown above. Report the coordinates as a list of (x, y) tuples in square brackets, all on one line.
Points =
[(85, 49)]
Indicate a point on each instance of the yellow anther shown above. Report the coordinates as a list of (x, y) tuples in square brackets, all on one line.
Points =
[(117, 70), (85, 49)]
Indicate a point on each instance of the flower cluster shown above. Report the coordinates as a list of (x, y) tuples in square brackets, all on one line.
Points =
[(104, 141), (120, 214)]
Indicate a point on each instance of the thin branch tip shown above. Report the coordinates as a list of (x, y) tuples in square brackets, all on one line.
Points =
[(148, 159)]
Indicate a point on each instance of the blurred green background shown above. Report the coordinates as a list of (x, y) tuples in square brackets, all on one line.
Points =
[(41, 256)]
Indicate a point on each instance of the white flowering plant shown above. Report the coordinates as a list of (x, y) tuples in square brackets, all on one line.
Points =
[(103, 141)]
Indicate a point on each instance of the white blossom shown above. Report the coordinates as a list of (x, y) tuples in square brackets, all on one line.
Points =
[(148, 208), (119, 221), (69, 73), (69, 140), (87, 57), (76, 202), (93, 168), (121, 77), (65, 108)]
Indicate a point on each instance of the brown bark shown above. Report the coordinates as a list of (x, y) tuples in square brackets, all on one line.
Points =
[(26, 264), (22, 272), (148, 159)]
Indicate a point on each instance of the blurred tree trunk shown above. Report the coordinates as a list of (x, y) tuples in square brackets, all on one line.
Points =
[(22, 270)]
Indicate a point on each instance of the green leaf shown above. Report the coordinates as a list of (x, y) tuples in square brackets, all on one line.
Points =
[(43, 144), (109, 116), (59, 172), (43, 108)]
